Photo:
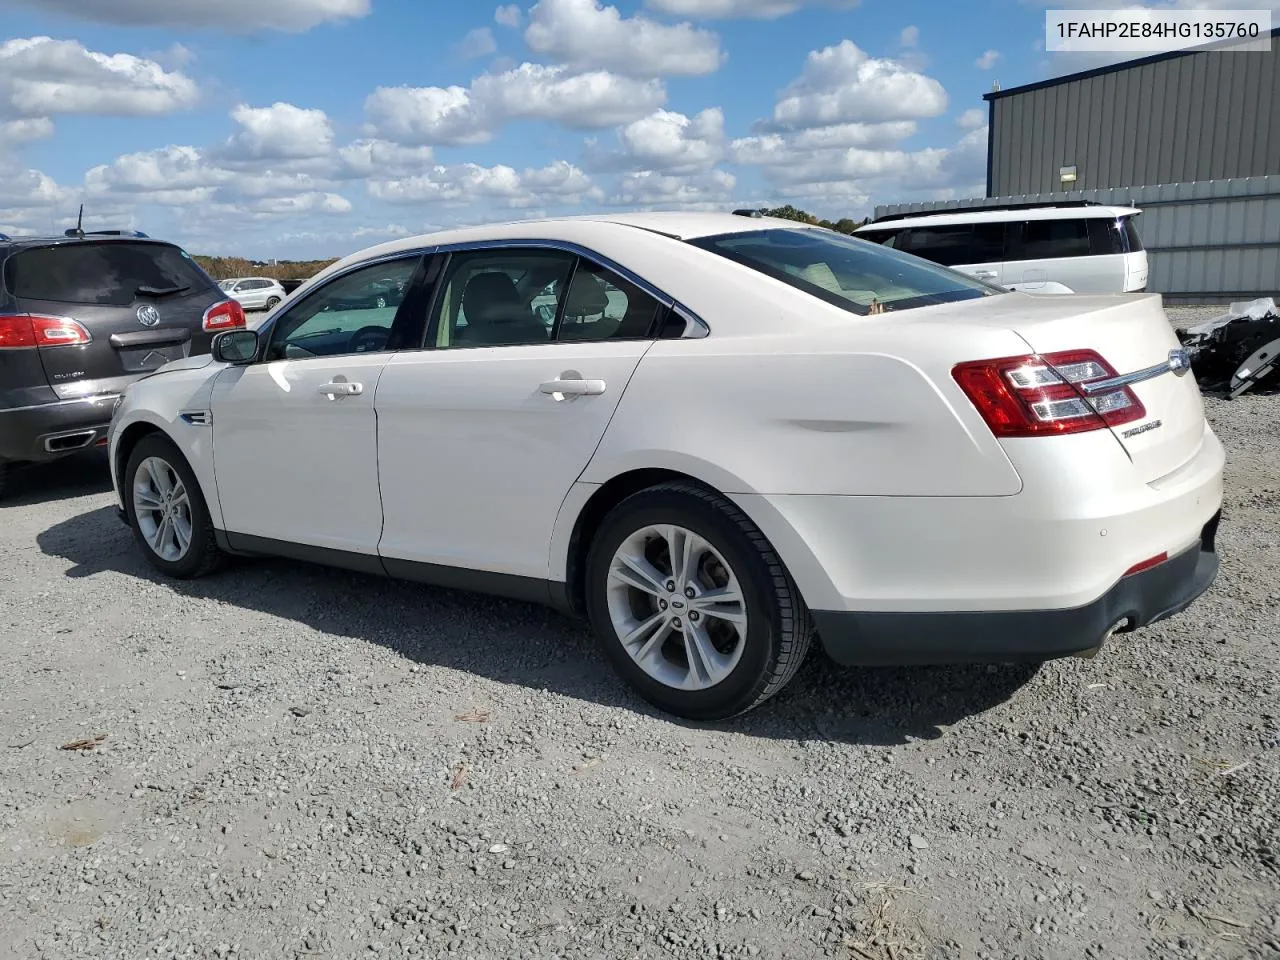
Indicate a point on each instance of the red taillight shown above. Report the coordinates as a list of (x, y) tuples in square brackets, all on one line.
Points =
[(1041, 395), (1147, 564), (225, 315), (19, 330)]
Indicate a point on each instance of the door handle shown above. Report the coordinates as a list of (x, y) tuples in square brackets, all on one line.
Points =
[(573, 388), (984, 273), (341, 388)]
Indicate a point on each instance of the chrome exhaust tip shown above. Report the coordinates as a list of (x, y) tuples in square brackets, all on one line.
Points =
[(69, 441)]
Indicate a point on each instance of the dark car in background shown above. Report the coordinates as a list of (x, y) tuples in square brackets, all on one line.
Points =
[(81, 317)]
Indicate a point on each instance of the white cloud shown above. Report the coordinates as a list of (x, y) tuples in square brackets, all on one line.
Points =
[(477, 43), (732, 9), (470, 182), (25, 130), (507, 15), (666, 141), (281, 131), (587, 35), (233, 16), (29, 189), (41, 76), (383, 159), (460, 115), (972, 118), (987, 60), (649, 188), (181, 170), (842, 84), (910, 36)]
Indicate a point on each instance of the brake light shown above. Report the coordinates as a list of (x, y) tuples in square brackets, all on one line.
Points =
[(224, 315), (25, 330), (1042, 395)]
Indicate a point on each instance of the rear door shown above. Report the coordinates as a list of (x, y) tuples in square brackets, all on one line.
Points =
[(1062, 251), (481, 437), (973, 248), (143, 304)]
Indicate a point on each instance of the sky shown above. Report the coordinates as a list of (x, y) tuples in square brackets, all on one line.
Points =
[(314, 128)]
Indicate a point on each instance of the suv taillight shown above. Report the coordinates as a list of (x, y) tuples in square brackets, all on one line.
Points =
[(1034, 396), (224, 315), (26, 330)]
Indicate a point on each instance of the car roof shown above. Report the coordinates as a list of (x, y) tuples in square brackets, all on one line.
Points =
[(49, 241), (996, 215)]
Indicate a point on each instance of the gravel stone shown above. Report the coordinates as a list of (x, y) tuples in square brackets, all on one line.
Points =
[(211, 822)]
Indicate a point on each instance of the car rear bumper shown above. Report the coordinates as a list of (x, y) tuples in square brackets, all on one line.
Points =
[(48, 431), (972, 636)]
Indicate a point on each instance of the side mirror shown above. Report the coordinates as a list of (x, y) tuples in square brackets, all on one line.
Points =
[(235, 346)]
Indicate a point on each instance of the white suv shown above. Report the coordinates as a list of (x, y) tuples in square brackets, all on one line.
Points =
[(255, 293), (1067, 247)]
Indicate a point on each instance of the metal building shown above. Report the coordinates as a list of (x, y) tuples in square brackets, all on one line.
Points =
[(1177, 117), (1192, 137)]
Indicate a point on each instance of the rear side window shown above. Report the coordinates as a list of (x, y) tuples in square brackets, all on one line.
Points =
[(1049, 240), (955, 243), (109, 273)]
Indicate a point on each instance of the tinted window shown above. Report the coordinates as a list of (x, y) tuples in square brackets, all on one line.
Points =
[(603, 306), (858, 276), (348, 315), (887, 237), (955, 243), (1131, 235), (500, 297), (109, 273), (1049, 240)]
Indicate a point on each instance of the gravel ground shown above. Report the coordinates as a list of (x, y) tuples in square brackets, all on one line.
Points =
[(306, 763)]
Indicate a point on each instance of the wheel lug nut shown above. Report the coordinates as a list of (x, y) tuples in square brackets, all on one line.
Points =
[(671, 586), (688, 592), (693, 616), (662, 604), (677, 624)]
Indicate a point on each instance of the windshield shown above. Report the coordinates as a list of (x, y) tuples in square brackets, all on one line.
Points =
[(227, 284), (857, 275)]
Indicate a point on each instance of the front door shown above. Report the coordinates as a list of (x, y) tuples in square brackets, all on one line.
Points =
[(482, 435), (295, 434)]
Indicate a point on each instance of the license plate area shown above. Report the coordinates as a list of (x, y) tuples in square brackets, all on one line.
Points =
[(146, 358)]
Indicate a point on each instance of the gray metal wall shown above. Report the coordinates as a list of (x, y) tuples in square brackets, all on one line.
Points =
[(1210, 242), (1201, 116)]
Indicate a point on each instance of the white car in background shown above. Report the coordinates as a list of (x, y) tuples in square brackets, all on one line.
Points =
[(1043, 247), (255, 293), (734, 435)]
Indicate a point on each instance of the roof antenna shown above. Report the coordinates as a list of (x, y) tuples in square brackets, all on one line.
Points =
[(79, 230)]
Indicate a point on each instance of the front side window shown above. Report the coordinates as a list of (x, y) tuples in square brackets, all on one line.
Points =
[(500, 298), (107, 273), (853, 274), (348, 315)]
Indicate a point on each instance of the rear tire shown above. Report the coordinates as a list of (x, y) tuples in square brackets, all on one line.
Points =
[(273, 302), (711, 636), (167, 510)]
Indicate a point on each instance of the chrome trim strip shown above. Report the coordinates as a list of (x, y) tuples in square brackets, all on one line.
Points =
[(1137, 376), (91, 401)]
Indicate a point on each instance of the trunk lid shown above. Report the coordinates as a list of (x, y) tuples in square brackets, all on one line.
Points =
[(142, 303), (1132, 333)]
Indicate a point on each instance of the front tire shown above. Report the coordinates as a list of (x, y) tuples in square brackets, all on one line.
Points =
[(167, 510), (273, 302), (709, 636)]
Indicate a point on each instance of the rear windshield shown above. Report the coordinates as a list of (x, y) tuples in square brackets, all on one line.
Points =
[(112, 273), (857, 275)]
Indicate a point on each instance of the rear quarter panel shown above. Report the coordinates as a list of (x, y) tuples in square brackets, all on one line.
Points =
[(860, 408)]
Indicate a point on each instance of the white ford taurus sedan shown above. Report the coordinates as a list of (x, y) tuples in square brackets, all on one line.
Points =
[(715, 436)]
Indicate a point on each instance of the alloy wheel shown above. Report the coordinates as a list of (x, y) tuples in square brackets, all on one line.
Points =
[(162, 508), (677, 607)]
